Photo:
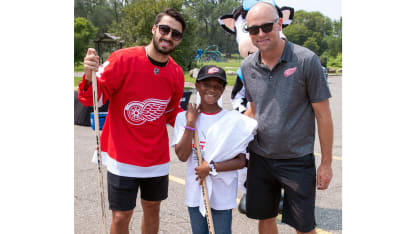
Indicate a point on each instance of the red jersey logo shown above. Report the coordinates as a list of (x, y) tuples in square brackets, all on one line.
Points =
[(137, 113)]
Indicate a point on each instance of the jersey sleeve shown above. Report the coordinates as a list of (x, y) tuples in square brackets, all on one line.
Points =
[(173, 107), (317, 85), (109, 79)]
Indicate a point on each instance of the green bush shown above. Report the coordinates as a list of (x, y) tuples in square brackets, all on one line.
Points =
[(335, 62)]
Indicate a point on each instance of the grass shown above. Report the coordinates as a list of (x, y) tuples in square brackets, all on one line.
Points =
[(78, 67), (230, 64), (77, 80), (230, 79)]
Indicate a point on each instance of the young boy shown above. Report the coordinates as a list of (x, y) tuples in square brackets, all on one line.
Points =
[(210, 84)]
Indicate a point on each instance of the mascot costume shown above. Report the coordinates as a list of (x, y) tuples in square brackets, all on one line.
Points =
[(234, 23)]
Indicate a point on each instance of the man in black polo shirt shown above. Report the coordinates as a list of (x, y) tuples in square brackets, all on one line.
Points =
[(287, 90)]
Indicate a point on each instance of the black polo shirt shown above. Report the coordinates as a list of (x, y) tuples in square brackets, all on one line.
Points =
[(282, 98)]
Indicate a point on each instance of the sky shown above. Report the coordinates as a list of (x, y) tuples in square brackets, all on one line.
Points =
[(330, 8)]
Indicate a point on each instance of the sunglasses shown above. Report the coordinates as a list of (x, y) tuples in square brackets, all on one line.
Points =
[(165, 30), (254, 30)]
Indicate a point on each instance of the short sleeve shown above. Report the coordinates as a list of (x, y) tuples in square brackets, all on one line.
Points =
[(244, 74), (109, 79), (317, 85)]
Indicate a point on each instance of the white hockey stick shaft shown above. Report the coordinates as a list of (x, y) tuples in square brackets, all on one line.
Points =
[(204, 186), (97, 138)]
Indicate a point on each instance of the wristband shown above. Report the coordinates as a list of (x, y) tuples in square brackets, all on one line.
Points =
[(213, 171), (192, 129)]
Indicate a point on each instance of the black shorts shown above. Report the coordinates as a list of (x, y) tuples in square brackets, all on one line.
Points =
[(266, 177), (122, 191)]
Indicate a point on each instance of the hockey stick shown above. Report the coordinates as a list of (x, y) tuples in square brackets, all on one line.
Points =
[(97, 138), (204, 186)]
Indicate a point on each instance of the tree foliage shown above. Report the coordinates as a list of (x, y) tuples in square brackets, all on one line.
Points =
[(318, 33), (132, 20), (206, 13), (84, 33), (101, 13)]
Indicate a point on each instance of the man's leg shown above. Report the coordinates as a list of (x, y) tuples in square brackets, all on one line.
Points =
[(120, 222), (311, 232), (122, 194), (263, 194), (268, 226), (153, 190), (150, 219), (300, 193)]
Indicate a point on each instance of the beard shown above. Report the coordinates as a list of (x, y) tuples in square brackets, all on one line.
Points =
[(156, 45)]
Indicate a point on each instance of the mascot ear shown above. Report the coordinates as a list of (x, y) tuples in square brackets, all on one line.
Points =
[(227, 23), (288, 13)]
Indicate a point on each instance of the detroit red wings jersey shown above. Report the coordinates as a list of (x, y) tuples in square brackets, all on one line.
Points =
[(142, 99)]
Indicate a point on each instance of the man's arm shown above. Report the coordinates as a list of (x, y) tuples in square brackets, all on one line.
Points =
[(108, 78), (326, 134), (251, 110)]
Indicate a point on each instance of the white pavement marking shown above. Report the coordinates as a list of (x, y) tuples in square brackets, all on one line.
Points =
[(334, 157)]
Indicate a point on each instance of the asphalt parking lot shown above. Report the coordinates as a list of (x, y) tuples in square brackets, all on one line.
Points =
[(174, 216)]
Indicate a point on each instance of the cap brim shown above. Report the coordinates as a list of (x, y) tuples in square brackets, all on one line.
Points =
[(211, 76)]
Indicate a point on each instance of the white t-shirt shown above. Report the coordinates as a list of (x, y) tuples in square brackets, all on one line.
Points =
[(223, 196)]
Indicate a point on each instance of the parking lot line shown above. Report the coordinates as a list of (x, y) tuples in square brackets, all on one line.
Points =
[(177, 179), (334, 157)]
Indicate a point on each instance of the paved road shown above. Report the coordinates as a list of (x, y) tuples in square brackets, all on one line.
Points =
[(174, 216)]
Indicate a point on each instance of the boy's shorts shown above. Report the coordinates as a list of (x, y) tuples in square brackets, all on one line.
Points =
[(266, 177), (122, 191)]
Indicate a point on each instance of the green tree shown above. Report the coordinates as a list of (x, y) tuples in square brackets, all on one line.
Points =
[(314, 21), (84, 33), (312, 44), (102, 17), (318, 33), (337, 33), (101, 13), (308, 25), (297, 33), (335, 62), (206, 13)]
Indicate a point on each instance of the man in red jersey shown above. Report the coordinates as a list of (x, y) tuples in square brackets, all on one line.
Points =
[(144, 86)]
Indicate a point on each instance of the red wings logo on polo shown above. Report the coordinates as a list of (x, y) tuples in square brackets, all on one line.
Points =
[(137, 113), (289, 71)]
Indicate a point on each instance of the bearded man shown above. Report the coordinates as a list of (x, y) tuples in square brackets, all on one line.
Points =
[(144, 86)]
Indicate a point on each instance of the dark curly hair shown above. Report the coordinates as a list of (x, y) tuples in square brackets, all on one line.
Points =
[(172, 13)]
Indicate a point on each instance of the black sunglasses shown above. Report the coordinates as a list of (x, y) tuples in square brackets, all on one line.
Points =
[(165, 30), (254, 30)]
